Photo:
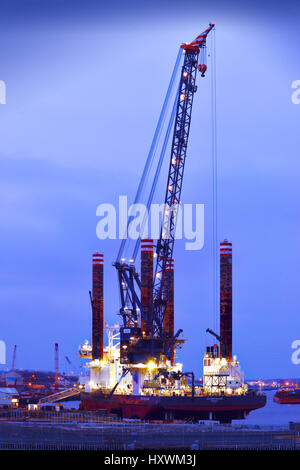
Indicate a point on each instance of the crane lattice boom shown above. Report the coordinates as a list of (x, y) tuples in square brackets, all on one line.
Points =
[(155, 339), (165, 245)]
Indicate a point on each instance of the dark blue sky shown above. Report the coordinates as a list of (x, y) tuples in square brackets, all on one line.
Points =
[(85, 84)]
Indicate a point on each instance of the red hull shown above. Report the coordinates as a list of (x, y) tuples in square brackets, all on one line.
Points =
[(223, 408), (287, 401), (287, 397)]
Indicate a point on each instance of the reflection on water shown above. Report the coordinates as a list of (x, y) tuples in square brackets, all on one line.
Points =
[(273, 413), (71, 404)]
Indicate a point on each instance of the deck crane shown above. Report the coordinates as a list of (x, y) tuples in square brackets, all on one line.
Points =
[(71, 365), (221, 340), (138, 346)]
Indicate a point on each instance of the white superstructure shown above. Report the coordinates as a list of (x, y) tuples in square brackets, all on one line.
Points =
[(141, 379), (221, 375)]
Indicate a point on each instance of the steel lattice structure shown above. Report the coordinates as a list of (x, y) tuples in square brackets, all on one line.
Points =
[(153, 317), (165, 245)]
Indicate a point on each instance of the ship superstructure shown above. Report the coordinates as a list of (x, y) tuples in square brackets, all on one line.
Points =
[(140, 379), (221, 376), (163, 391)]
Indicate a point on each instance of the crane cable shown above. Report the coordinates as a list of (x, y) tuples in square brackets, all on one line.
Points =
[(153, 148), (156, 177), (215, 236), (157, 172)]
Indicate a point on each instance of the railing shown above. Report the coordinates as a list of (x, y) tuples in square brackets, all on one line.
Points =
[(101, 417), (84, 431), (23, 444), (65, 417)]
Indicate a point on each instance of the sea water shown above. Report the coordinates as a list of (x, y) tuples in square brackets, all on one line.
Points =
[(273, 413)]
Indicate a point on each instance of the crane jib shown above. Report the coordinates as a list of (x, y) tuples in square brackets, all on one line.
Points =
[(165, 246), (141, 342)]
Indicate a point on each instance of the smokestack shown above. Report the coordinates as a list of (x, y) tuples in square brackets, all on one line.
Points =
[(97, 296), (226, 298), (169, 313), (146, 278)]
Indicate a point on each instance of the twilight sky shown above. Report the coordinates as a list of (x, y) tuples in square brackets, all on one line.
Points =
[(85, 84)]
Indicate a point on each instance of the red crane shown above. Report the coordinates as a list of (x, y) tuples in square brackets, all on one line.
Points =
[(14, 358), (56, 366)]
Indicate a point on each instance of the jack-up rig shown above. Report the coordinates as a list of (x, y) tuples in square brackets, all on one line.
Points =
[(136, 375)]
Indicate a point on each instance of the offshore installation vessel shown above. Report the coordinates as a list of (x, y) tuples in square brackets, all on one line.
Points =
[(136, 375)]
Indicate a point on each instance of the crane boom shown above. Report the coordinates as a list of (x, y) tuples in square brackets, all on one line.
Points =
[(165, 244), (138, 346)]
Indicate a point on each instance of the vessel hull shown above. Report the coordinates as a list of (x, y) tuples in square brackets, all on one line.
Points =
[(220, 408), (287, 398)]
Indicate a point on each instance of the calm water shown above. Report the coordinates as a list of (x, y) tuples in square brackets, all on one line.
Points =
[(71, 404), (271, 414)]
